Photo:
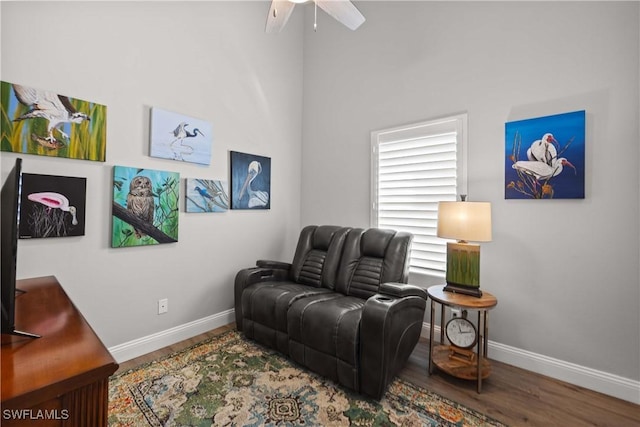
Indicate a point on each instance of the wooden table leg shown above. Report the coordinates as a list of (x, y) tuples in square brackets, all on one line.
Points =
[(486, 334), (442, 323), (480, 348), (431, 328)]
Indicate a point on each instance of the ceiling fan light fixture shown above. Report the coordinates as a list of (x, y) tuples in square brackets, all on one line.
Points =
[(343, 11)]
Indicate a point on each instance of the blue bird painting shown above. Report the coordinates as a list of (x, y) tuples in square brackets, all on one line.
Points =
[(204, 195)]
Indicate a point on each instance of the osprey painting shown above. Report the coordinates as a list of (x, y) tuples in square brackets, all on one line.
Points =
[(42, 122), (56, 109)]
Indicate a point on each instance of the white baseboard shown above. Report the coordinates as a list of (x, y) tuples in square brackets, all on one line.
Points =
[(141, 346), (602, 382)]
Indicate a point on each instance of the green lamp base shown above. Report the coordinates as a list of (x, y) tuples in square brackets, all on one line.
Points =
[(461, 289), (463, 268)]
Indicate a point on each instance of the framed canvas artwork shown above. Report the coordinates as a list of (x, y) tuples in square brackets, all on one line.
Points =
[(45, 123), (145, 207), (178, 137), (205, 195), (250, 181), (545, 157), (52, 206)]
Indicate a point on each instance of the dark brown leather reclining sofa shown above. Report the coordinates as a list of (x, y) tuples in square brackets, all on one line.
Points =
[(342, 308)]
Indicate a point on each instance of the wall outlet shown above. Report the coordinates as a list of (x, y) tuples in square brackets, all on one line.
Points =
[(456, 312), (163, 305)]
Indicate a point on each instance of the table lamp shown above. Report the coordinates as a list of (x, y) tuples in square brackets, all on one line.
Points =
[(464, 221)]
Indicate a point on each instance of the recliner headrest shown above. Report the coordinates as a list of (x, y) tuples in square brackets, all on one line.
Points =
[(323, 235), (375, 241)]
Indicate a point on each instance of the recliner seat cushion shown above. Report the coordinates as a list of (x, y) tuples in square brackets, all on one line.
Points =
[(324, 335), (268, 303), (330, 324)]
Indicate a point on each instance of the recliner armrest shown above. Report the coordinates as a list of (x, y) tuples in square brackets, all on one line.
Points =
[(389, 330), (402, 290), (278, 265), (250, 276)]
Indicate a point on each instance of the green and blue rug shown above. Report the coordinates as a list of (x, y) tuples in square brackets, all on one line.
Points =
[(230, 381)]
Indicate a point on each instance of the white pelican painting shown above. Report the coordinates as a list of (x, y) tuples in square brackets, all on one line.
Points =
[(52, 206), (545, 157), (250, 181), (178, 137)]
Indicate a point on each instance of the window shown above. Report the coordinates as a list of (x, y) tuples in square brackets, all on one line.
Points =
[(413, 168)]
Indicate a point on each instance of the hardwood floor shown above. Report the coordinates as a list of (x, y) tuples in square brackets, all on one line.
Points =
[(511, 395)]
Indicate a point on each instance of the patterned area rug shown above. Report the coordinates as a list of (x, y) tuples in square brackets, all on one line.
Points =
[(230, 381)]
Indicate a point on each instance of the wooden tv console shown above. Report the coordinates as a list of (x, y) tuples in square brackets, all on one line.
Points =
[(60, 379)]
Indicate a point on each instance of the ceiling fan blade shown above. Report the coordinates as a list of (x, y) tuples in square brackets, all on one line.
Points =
[(279, 14), (343, 11)]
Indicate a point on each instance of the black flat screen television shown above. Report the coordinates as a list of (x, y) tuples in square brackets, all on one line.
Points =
[(10, 218)]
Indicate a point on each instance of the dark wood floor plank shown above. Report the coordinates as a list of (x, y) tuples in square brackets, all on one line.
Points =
[(512, 395)]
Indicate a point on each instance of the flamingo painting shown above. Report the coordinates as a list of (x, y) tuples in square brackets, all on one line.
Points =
[(250, 181), (54, 201), (535, 166), (52, 206)]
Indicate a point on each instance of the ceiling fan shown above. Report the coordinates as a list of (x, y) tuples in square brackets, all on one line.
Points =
[(341, 10)]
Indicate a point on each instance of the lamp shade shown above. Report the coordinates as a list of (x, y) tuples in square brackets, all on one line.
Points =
[(466, 221)]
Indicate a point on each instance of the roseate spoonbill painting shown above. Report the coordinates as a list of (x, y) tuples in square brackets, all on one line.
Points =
[(545, 157), (204, 195), (250, 181), (145, 207), (45, 123), (52, 206), (178, 137)]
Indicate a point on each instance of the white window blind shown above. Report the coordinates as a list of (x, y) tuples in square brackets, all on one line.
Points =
[(413, 168)]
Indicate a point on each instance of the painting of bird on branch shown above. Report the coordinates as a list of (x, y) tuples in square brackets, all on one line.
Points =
[(178, 137), (545, 157), (145, 207), (205, 195), (42, 122)]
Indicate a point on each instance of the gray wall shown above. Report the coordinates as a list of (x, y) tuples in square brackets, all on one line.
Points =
[(208, 60), (565, 271)]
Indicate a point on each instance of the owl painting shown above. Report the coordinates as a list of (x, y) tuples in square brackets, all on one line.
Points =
[(144, 196), (140, 200)]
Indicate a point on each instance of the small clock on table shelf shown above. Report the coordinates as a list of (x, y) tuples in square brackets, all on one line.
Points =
[(462, 335), (461, 332)]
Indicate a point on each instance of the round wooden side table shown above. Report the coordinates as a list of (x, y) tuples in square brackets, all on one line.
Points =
[(439, 355)]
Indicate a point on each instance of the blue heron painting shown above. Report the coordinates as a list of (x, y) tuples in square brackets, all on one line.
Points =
[(545, 157), (178, 137)]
